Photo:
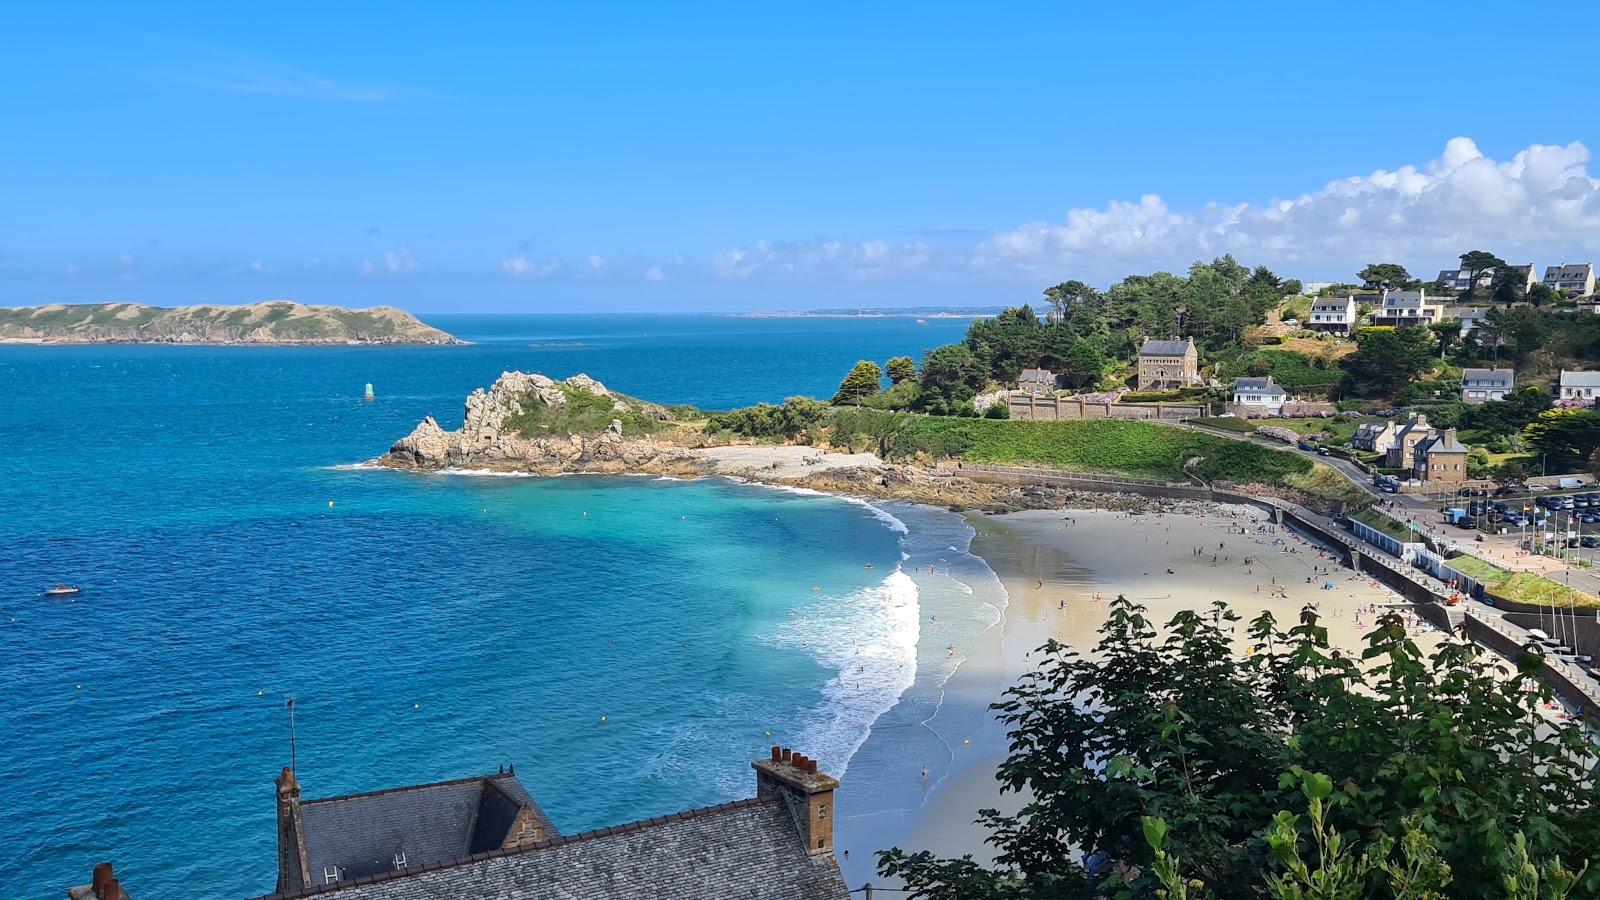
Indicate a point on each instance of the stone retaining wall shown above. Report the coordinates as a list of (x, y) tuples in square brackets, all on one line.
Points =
[(1032, 406)]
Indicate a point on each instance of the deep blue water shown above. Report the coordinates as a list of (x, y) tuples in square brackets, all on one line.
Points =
[(431, 627)]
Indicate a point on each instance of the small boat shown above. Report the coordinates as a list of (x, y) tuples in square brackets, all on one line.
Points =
[(63, 590)]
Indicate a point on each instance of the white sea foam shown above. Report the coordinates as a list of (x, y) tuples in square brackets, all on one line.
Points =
[(356, 467), (869, 637), (878, 512), (484, 473)]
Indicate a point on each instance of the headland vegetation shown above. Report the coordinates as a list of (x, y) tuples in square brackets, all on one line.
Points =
[(257, 323)]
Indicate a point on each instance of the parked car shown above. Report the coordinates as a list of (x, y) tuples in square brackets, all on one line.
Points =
[(1537, 487), (1324, 451), (1589, 540), (1467, 523)]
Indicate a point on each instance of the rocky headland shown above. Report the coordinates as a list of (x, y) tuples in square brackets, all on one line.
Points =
[(256, 323), (531, 423)]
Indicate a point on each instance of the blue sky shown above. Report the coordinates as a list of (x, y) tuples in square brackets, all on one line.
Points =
[(542, 157)]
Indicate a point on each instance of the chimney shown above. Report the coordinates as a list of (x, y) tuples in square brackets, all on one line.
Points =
[(808, 793), (294, 870), (103, 886)]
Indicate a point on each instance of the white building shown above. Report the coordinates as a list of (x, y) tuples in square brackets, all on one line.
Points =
[(1483, 385), (1577, 388), (1407, 308), (1470, 317), (1335, 315), (1259, 395), (1577, 279)]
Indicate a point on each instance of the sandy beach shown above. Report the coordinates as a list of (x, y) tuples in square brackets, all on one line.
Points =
[(1052, 564)]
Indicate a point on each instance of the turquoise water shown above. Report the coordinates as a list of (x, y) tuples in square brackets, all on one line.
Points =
[(430, 626)]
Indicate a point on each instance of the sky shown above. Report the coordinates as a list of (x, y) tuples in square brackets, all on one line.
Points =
[(684, 157)]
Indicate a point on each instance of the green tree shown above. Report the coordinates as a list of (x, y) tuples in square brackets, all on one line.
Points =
[(1083, 364), (1178, 754), (1375, 274), (1447, 332), (1066, 297), (901, 368), (1570, 436), (1293, 288), (1528, 328), (1541, 294), (864, 380), (1476, 262), (1385, 361), (950, 375)]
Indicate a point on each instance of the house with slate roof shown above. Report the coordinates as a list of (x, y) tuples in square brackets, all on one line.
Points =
[(1577, 279), (1440, 458), (486, 838), (1168, 365), (1332, 315), (1375, 437), (1483, 385), (1577, 388), (1038, 381), (1400, 452), (1258, 397)]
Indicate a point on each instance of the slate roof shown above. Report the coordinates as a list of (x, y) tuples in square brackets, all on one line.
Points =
[(1440, 443), (1339, 305), (1257, 386), (362, 834), (749, 850), (1487, 377), (1165, 348), (1580, 379)]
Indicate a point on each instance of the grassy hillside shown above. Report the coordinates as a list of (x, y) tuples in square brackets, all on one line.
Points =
[(1138, 449)]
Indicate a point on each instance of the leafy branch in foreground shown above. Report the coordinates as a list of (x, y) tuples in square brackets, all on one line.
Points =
[(1434, 776)]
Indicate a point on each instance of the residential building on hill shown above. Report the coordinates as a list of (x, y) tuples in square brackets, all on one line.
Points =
[(1375, 437), (1577, 279), (1406, 439), (1404, 309), (1038, 381), (1483, 385), (1471, 317), (1461, 279), (1332, 315), (486, 837), (1167, 365), (1440, 458), (1577, 388), (1258, 396)]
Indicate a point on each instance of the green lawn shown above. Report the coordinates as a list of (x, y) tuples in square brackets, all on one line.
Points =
[(1384, 524), (1473, 567), (1526, 587)]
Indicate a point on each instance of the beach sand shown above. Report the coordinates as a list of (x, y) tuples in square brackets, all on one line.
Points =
[(1052, 563)]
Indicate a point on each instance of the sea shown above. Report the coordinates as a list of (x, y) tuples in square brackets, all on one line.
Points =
[(628, 644)]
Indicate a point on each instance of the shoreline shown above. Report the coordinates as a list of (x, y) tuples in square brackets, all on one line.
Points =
[(1049, 569)]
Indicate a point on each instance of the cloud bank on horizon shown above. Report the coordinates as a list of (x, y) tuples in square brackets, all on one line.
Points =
[(1543, 200)]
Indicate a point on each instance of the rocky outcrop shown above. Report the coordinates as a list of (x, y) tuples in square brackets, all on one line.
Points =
[(489, 438), (256, 323)]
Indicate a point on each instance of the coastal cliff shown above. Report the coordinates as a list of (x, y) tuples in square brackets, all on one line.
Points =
[(257, 323), (532, 423)]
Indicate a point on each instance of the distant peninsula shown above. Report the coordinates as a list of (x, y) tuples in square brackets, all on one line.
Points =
[(871, 312), (278, 322)]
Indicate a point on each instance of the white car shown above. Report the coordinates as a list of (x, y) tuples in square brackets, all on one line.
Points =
[(1537, 487)]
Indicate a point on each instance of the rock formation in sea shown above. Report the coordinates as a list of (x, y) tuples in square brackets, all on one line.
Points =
[(257, 323)]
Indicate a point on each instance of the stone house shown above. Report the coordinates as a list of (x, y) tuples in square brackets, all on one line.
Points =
[(1168, 365), (1577, 388), (1375, 437), (486, 837), (1440, 458), (1038, 381), (1483, 385), (1406, 438), (1258, 396)]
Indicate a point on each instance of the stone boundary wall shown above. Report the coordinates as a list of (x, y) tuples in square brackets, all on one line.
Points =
[(1034, 407), (1554, 672)]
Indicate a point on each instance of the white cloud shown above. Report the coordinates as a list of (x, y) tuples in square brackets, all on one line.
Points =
[(522, 267), (259, 267), (847, 259), (1542, 200), (237, 71), (401, 263), (597, 262), (655, 273)]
